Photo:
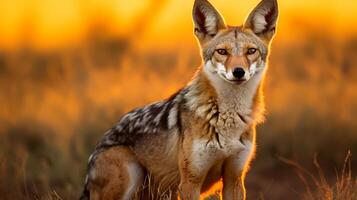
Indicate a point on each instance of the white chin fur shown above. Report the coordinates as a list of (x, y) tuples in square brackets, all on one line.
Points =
[(221, 71), (216, 72)]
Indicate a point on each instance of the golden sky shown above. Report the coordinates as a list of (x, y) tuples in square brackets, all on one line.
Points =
[(52, 23)]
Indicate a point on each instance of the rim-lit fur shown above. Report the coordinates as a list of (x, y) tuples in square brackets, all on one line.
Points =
[(205, 132)]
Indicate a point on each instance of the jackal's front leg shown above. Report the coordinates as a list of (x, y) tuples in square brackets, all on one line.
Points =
[(191, 180), (235, 169), (189, 191), (193, 170), (233, 185)]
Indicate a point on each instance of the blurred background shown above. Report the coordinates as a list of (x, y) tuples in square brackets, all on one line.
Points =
[(69, 69)]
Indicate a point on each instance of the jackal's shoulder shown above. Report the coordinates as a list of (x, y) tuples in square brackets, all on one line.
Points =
[(147, 120)]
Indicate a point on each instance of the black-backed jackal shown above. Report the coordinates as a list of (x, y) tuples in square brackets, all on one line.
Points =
[(205, 132)]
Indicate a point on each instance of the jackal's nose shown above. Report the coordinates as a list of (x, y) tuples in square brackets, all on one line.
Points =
[(238, 72)]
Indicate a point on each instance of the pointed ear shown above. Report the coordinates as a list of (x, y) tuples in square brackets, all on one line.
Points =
[(262, 20), (207, 20)]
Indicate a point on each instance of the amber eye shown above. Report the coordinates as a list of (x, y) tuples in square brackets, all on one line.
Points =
[(251, 51), (222, 51)]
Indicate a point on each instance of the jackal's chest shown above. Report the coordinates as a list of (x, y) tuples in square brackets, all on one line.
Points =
[(225, 140), (231, 123), (220, 144), (210, 152)]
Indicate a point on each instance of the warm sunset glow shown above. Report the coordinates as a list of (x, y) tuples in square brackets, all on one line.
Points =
[(69, 69), (51, 24)]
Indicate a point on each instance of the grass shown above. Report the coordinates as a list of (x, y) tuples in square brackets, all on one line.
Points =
[(319, 188), (57, 104)]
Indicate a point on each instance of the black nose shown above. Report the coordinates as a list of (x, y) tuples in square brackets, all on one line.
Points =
[(238, 72)]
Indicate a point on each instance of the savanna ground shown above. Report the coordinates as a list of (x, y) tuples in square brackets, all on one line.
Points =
[(56, 104)]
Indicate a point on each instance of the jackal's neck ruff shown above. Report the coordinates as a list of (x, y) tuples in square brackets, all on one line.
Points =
[(241, 98), (224, 104)]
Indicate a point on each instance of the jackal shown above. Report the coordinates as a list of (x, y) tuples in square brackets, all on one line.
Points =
[(181, 146)]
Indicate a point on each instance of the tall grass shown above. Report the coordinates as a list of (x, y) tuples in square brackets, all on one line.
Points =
[(55, 105), (319, 188)]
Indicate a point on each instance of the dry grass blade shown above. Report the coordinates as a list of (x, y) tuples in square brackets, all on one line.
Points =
[(300, 169), (344, 187), (306, 184)]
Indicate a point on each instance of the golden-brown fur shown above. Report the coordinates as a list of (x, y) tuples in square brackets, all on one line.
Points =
[(111, 178), (205, 132)]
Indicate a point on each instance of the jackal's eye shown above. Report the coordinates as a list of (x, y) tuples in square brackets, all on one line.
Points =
[(251, 51), (222, 51)]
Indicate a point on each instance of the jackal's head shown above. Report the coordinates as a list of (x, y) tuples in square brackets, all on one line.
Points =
[(235, 53)]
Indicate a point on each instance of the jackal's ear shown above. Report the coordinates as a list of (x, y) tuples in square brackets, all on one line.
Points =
[(207, 20), (262, 20)]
